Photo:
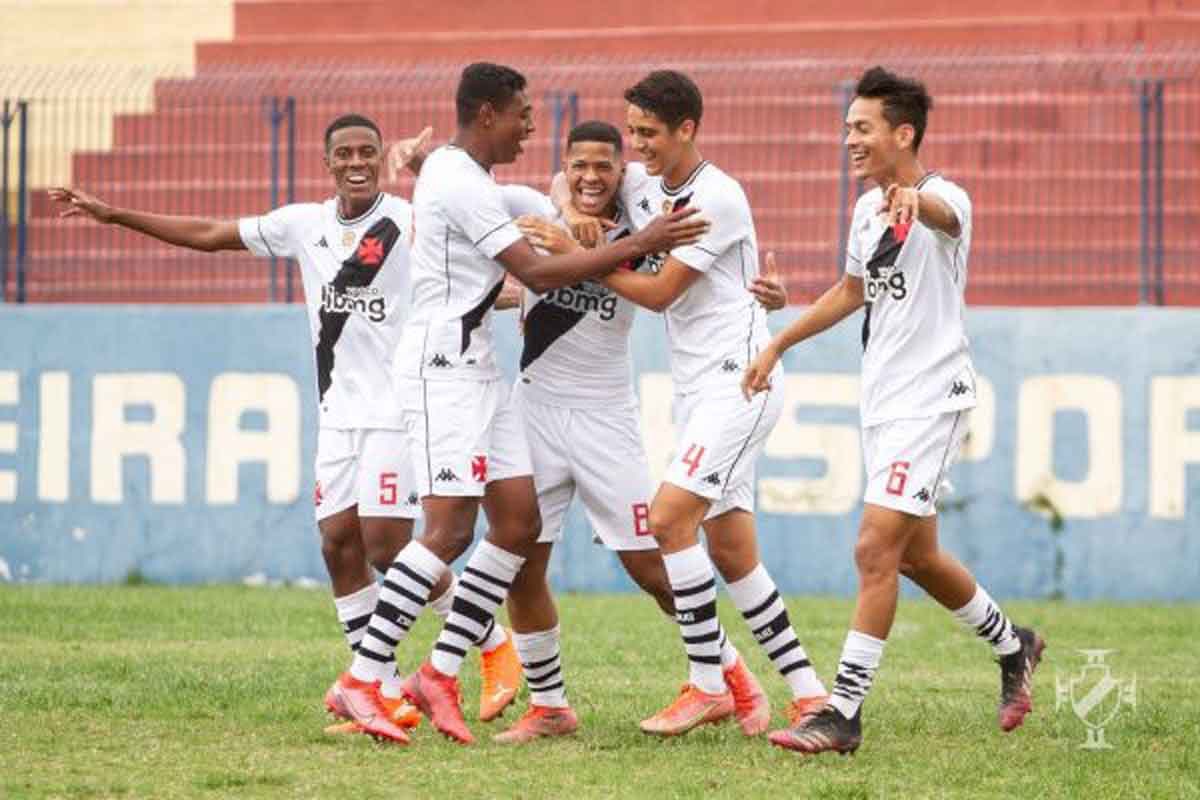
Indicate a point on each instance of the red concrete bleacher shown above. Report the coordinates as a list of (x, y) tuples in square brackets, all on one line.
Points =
[(1054, 167)]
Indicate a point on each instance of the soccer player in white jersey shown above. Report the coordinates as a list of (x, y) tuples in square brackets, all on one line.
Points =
[(715, 327), (907, 263), (353, 251), (469, 443)]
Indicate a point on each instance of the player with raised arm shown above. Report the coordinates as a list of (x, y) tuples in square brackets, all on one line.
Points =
[(353, 251), (469, 441), (715, 327), (907, 263)]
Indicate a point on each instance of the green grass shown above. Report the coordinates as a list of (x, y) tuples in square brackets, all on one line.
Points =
[(216, 692)]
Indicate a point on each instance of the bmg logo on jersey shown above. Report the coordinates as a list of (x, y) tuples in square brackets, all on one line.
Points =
[(885, 281), (586, 297), (365, 300)]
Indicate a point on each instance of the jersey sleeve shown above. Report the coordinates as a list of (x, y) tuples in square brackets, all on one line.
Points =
[(728, 215), (276, 234), (520, 200), (478, 209), (633, 184), (855, 259), (958, 200)]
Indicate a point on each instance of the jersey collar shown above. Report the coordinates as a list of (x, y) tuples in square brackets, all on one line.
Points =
[(360, 217)]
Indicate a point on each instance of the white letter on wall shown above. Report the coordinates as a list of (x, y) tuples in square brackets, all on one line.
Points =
[(113, 437), (1099, 492), (1172, 444), (658, 432), (54, 437), (840, 489), (275, 395), (981, 431), (10, 395)]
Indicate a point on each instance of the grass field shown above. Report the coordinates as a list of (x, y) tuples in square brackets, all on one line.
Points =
[(215, 692)]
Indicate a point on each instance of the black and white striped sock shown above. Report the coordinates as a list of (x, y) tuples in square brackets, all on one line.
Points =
[(403, 596), (354, 611), (481, 590), (541, 662), (860, 659), (695, 588), (989, 623), (758, 599)]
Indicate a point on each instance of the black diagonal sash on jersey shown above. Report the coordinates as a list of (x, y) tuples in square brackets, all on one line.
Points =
[(544, 324), (474, 318), (354, 273), (886, 253)]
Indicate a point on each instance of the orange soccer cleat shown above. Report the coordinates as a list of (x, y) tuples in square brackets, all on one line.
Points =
[(438, 697), (750, 704), (693, 707), (362, 704), (399, 709), (538, 722), (803, 707), (501, 674)]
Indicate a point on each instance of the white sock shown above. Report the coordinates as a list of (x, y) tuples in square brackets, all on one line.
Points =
[(542, 664), (441, 606), (758, 599), (354, 611), (856, 670), (729, 653), (695, 589), (983, 616), (480, 592)]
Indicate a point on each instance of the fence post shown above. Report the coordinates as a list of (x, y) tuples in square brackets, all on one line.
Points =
[(289, 108), (573, 107), (1159, 210), (845, 93), (556, 135), (5, 122), (1144, 227), (22, 187), (274, 201)]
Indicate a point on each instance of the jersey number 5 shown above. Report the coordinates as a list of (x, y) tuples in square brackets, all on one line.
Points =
[(387, 489)]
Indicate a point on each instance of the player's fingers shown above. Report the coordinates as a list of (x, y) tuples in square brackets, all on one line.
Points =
[(423, 138), (683, 213), (608, 225), (772, 268)]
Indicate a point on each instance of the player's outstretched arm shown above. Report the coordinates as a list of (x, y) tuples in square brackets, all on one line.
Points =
[(654, 291), (196, 233), (838, 302), (905, 205), (543, 273)]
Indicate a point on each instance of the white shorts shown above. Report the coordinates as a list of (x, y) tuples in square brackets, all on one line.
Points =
[(907, 460), (368, 467), (464, 435), (599, 455), (721, 437)]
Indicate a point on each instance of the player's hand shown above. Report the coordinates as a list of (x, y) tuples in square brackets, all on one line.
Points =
[(589, 231), (668, 231), (546, 235), (405, 151), (901, 203), (767, 289), (78, 203), (757, 377), (510, 294)]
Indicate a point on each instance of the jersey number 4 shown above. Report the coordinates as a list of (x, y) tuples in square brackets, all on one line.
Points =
[(692, 459)]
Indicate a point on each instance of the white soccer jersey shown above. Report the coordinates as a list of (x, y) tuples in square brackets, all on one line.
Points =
[(356, 287), (461, 223), (916, 361), (575, 352), (717, 327)]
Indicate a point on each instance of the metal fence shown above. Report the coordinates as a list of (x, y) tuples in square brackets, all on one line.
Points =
[(1084, 169)]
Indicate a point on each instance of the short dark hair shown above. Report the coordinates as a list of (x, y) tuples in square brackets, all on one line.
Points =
[(669, 95), (350, 121), (905, 100), (595, 130), (484, 82)]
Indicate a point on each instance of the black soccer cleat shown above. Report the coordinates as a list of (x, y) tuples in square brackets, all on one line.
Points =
[(1016, 679), (827, 730)]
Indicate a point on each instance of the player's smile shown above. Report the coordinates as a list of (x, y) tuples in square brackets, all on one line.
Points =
[(354, 158), (593, 174)]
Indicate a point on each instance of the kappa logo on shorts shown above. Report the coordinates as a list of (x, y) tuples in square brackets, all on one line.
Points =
[(923, 495), (713, 479), (446, 475), (439, 360), (479, 467), (730, 366), (413, 499), (959, 387)]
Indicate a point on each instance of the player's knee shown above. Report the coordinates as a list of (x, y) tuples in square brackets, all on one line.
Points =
[(339, 539), (914, 568), (448, 543), (875, 556)]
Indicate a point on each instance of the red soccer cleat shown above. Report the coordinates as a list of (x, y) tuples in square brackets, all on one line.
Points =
[(363, 704), (539, 722), (750, 704), (438, 697), (693, 707)]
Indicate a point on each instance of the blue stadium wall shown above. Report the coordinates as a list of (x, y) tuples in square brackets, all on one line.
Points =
[(177, 444)]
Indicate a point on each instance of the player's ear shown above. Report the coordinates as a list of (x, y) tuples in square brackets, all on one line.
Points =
[(905, 134), (687, 130), (486, 115), (325, 161)]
